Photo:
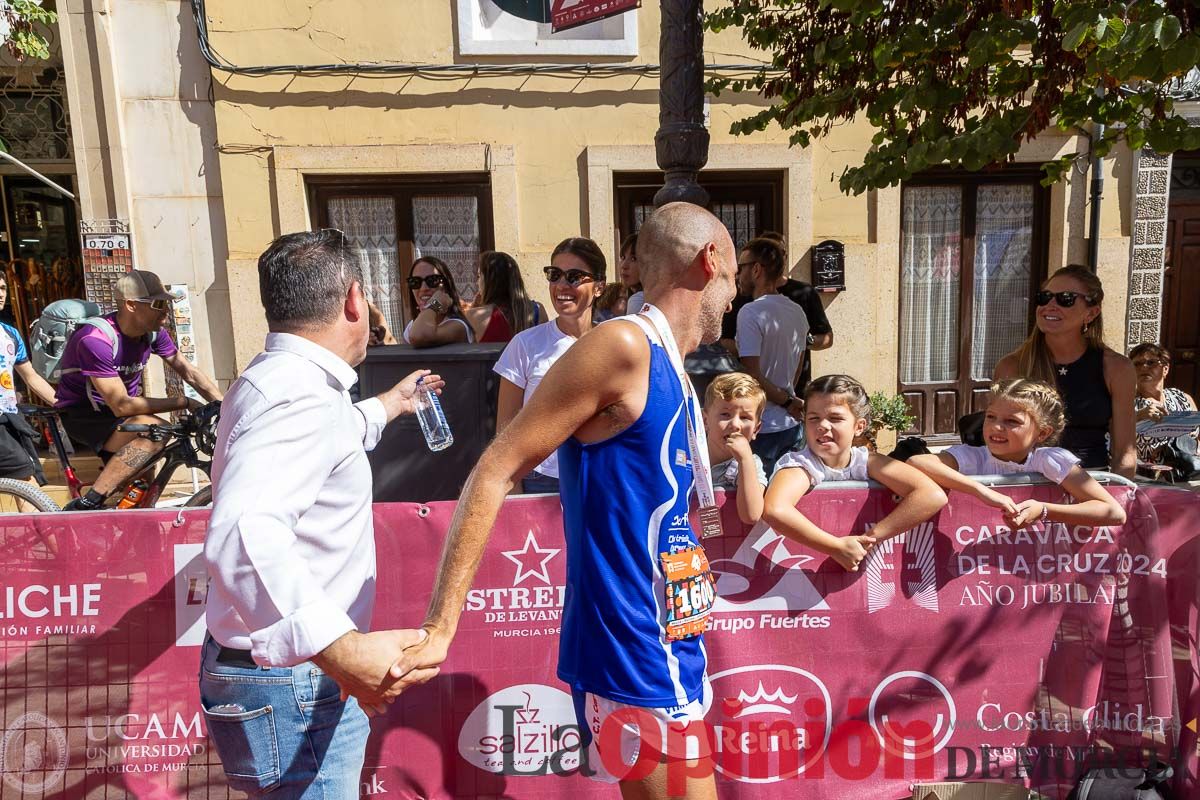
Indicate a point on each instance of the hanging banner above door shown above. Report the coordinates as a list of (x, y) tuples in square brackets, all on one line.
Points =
[(566, 14)]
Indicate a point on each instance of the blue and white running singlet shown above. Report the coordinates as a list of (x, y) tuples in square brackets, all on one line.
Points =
[(625, 502)]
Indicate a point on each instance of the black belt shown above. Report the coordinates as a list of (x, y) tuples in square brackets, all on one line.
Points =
[(235, 658), (232, 657)]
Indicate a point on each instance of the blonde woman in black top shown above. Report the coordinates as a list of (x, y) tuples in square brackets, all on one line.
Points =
[(1066, 349)]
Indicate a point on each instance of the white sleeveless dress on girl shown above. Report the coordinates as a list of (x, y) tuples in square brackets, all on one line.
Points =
[(1053, 463), (818, 472)]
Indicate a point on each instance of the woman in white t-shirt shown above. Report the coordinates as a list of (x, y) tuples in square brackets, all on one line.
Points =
[(1024, 418), (576, 275)]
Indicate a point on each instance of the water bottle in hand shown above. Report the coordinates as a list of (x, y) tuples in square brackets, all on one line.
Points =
[(432, 419)]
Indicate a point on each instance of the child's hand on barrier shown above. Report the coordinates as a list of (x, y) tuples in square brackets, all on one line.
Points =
[(1026, 513), (853, 550), (998, 500)]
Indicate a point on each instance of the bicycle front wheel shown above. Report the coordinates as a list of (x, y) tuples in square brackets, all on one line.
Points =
[(200, 499), (19, 497)]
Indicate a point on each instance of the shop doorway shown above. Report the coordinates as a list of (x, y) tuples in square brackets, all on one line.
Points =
[(41, 248), (1181, 275)]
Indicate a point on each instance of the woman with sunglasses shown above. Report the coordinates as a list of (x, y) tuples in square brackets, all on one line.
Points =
[(1066, 349), (1154, 399), (433, 306), (576, 275), (503, 307)]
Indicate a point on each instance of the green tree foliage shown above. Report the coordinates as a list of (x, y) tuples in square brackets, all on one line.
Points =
[(20, 28), (965, 83)]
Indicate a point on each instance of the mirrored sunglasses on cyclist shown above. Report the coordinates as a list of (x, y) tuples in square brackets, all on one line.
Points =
[(432, 281), (1064, 299), (574, 277), (159, 305)]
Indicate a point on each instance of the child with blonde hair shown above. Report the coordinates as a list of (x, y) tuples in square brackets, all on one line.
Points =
[(733, 406), (1024, 419), (836, 410)]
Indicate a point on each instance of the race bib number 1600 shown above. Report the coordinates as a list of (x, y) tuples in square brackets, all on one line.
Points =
[(690, 592)]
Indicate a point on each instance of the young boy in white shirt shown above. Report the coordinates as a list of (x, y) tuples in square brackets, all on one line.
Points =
[(733, 408)]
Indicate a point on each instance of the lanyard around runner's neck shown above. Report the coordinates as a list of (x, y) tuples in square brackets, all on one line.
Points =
[(701, 469)]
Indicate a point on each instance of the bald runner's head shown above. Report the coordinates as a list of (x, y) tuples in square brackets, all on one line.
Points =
[(672, 247), (671, 239)]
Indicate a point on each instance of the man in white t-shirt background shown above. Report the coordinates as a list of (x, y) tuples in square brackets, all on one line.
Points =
[(772, 334)]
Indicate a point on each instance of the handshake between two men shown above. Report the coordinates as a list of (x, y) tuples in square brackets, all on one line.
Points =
[(370, 668)]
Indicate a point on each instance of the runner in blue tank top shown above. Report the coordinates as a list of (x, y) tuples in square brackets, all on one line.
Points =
[(637, 584)]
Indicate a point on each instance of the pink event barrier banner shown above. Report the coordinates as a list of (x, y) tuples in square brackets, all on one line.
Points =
[(1011, 656)]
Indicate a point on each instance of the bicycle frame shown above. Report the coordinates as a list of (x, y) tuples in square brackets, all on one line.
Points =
[(53, 437), (179, 453)]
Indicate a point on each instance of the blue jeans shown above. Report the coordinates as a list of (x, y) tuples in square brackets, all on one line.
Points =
[(295, 737)]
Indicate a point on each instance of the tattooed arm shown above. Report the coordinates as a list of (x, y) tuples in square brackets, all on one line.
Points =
[(117, 398)]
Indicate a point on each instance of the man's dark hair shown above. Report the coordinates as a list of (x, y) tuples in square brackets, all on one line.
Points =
[(303, 278), (769, 254)]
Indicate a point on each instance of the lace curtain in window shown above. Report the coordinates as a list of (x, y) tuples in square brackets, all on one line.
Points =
[(447, 227), (370, 225), (930, 278), (1003, 267)]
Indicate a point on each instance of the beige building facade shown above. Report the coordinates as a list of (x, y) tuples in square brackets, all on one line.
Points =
[(503, 136)]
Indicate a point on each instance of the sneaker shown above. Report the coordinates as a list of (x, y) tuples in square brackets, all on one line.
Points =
[(79, 504)]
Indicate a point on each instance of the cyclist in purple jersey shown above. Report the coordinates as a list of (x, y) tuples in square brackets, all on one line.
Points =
[(618, 395), (101, 384)]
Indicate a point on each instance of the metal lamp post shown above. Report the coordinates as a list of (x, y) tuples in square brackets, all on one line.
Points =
[(681, 144)]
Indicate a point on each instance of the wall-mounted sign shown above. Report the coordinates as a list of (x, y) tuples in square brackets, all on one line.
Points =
[(107, 255), (105, 241), (829, 266), (180, 325), (532, 28), (566, 14)]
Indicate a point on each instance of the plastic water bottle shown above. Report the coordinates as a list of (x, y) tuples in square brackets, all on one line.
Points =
[(137, 490), (432, 419)]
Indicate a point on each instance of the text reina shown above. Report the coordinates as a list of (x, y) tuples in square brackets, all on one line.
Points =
[(36, 601)]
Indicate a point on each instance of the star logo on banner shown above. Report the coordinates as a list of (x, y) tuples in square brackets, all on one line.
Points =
[(531, 560)]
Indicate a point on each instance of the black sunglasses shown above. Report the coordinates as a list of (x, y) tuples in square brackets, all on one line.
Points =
[(574, 276), (743, 264), (432, 281), (1064, 299), (158, 305)]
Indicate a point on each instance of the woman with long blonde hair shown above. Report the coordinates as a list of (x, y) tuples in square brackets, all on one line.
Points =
[(1066, 350)]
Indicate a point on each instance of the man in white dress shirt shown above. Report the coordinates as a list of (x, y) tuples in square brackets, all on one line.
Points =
[(289, 667)]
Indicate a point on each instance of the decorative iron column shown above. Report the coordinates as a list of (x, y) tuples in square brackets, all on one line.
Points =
[(681, 144)]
